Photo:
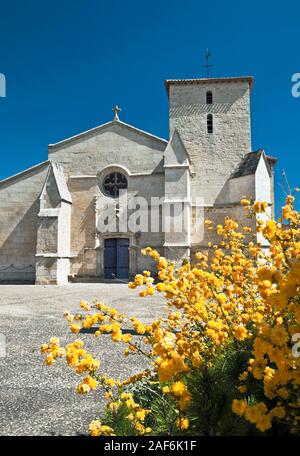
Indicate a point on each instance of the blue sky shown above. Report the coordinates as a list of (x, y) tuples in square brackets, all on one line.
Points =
[(68, 62)]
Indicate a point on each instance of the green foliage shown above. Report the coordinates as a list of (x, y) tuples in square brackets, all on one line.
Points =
[(213, 390), (119, 422)]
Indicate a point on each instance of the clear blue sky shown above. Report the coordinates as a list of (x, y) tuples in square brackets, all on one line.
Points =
[(68, 62)]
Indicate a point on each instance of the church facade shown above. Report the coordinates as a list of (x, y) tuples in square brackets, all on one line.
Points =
[(51, 215)]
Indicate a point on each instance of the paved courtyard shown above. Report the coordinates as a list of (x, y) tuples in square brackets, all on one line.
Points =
[(40, 400)]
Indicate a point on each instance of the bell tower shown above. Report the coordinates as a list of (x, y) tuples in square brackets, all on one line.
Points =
[(212, 118)]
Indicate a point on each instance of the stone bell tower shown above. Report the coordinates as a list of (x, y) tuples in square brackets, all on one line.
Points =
[(212, 118)]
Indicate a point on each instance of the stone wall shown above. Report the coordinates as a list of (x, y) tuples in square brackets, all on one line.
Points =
[(115, 143), (19, 207), (141, 158), (213, 156)]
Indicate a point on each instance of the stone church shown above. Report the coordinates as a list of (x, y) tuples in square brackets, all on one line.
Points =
[(49, 231)]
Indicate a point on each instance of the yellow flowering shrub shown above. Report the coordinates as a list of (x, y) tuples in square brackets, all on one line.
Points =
[(237, 302)]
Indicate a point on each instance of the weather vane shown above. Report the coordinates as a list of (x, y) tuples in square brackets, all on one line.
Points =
[(208, 65)]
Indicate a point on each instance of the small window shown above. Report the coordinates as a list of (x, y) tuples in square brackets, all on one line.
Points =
[(209, 123), (209, 97)]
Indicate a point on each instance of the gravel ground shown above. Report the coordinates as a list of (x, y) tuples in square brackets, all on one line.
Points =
[(40, 400)]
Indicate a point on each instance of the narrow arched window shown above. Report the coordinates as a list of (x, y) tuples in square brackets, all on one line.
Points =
[(209, 97), (210, 125)]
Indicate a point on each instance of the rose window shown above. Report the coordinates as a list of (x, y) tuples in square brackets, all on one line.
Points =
[(113, 183)]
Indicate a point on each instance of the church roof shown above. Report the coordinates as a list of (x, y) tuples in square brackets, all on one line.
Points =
[(250, 162), (26, 171), (170, 82), (105, 125)]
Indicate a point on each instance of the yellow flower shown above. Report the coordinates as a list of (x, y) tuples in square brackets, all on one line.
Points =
[(240, 332), (50, 359), (260, 206), (110, 382), (130, 417), (44, 348), (83, 388), (184, 401), (139, 280), (252, 414), (245, 202), (117, 336), (105, 328), (141, 414), (88, 322), (130, 403), (84, 305), (125, 396), (94, 428), (91, 382), (182, 423), (178, 388), (242, 389), (278, 335), (161, 287), (243, 376), (278, 412), (264, 423), (127, 338), (54, 341), (139, 327), (75, 328), (239, 407)]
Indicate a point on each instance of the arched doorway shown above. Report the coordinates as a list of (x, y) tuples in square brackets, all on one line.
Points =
[(116, 258)]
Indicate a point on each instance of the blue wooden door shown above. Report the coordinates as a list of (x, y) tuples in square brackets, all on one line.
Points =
[(122, 258), (116, 258), (110, 258)]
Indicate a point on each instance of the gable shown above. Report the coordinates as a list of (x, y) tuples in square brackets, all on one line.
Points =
[(118, 126), (175, 153), (263, 181), (115, 142), (55, 188)]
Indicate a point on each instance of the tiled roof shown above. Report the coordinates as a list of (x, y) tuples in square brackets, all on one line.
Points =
[(250, 162), (248, 79)]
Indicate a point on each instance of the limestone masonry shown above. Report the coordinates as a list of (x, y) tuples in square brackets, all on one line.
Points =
[(49, 230)]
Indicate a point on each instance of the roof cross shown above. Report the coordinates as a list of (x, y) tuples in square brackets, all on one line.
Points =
[(116, 109), (207, 66)]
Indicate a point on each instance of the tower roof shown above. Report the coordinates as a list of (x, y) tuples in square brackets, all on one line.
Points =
[(250, 162), (170, 82)]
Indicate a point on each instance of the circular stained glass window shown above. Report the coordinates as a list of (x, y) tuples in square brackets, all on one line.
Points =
[(113, 183)]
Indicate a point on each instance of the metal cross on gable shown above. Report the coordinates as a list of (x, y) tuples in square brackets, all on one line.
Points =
[(116, 109), (207, 65)]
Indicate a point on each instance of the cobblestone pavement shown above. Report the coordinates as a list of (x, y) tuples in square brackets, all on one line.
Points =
[(40, 400)]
